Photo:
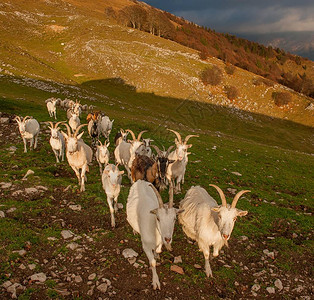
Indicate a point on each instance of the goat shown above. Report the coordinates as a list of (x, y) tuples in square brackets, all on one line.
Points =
[(145, 148), (144, 168), (74, 121), (29, 129), (52, 109), (152, 219), (105, 126), (206, 222), (120, 136), (102, 154), (93, 126), (77, 108), (56, 141), (162, 165), (176, 170), (125, 151), (79, 154), (111, 183)]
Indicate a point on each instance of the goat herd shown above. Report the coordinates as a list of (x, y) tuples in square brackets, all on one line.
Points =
[(202, 219)]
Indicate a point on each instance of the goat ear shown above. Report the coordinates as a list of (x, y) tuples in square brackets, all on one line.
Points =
[(64, 135), (189, 146), (107, 145), (215, 209), (171, 161), (154, 211), (179, 211), (241, 213), (80, 135)]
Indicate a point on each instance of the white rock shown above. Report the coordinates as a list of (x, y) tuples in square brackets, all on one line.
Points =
[(20, 252), (232, 191), (66, 234), (17, 193), (270, 290), (177, 260), (243, 238), (5, 185), (22, 267), (6, 284), (92, 276), (12, 289), (120, 205), (78, 279), (102, 287), (278, 284), (294, 235), (10, 210), (31, 266), (29, 172), (72, 246), (31, 190), (129, 253), (12, 149), (75, 207), (4, 120), (41, 187), (51, 238), (236, 173), (41, 277), (2, 215), (255, 287)]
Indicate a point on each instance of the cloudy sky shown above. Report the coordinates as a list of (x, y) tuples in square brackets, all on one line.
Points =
[(244, 16)]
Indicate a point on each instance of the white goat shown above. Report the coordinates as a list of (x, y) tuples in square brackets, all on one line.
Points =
[(79, 154), (102, 155), (111, 183), (145, 148), (206, 222), (57, 142), (125, 151), (152, 219), (176, 170), (105, 126), (29, 130), (52, 107), (74, 121)]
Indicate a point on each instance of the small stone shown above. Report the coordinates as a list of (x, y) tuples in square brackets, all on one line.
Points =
[(92, 276), (17, 193), (107, 281), (243, 238), (75, 207), (20, 252), (132, 260), (136, 265), (4, 120), (177, 269), (294, 235), (236, 173), (72, 246), (66, 234), (5, 185), (270, 290), (2, 215), (255, 287), (78, 279), (31, 266), (91, 291), (177, 260), (22, 267), (31, 190), (120, 205), (196, 266), (232, 191), (51, 238), (102, 287), (6, 284), (41, 277), (12, 149), (10, 210), (129, 253), (278, 284)]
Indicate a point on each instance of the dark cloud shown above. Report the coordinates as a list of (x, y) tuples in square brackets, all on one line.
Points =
[(244, 15)]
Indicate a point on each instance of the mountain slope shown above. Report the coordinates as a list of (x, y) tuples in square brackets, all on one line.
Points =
[(73, 42)]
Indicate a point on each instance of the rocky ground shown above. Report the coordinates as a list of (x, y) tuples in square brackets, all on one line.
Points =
[(76, 255)]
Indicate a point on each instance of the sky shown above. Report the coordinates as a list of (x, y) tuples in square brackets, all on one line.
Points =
[(244, 16)]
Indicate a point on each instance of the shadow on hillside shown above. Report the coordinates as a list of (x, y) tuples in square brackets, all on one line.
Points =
[(149, 111), (191, 115)]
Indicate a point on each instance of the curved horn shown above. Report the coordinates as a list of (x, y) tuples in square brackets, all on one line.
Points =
[(57, 124), (161, 203), (177, 134), (237, 196), (168, 151), (222, 195), (132, 133), (157, 150), (99, 141), (25, 118), (140, 134), (68, 128), (17, 118), (78, 129), (50, 123), (188, 137)]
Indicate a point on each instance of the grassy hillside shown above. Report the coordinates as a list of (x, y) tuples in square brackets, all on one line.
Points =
[(73, 42), (272, 156)]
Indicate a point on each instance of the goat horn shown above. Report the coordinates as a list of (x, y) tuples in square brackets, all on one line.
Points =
[(161, 203), (157, 150), (57, 124), (222, 195), (168, 151), (140, 134), (177, 134), (237, 196), (78, 129), (17, 118), (25, 118), (50, 123), (132, 133), (188, 137), (68, 128), (99, 141)]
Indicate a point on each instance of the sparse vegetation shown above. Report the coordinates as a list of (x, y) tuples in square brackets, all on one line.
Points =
[(231, 91), (281, 98), (211, 75)]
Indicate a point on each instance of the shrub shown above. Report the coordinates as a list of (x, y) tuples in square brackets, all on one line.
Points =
[(231, 91), (212, 76), (230, 69), (259, 81), (204, 54), (281, 98)]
